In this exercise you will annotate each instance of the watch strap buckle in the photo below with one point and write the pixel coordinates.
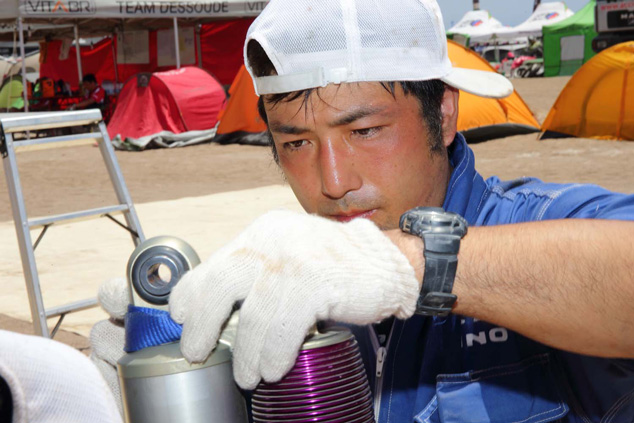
(435, 304)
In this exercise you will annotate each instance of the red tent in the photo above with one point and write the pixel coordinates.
(187, 99)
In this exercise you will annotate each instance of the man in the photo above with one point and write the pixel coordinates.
(94, 93)
(362, 104)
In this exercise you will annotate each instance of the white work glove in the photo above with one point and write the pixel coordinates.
(107, 337)
(292, 270)
(52, 382)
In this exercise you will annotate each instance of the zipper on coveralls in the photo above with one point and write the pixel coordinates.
(381, 356)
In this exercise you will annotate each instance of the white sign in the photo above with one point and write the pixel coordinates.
(133, 47)
(141, 8)
(166, 51)
(65, 49)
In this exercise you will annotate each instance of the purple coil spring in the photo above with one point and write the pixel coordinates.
(327, 384)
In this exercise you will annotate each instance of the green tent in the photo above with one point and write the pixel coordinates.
(568, 44)
(11, 93)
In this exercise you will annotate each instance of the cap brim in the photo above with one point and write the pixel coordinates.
(480, 83)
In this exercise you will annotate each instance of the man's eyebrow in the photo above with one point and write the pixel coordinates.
(286, 129)
(346, 119)
(357, 114)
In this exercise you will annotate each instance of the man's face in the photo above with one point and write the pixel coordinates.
(355, 150)
(90, 85)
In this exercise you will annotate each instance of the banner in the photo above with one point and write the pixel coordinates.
(133, 47)
(166, 51)
(141, 8)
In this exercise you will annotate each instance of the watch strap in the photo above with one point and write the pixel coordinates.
(441, 263)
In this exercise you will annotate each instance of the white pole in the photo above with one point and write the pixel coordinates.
(78, 54)
(177, 48)
(25, 87)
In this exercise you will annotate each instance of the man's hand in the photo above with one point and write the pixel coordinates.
(107, 337)
(291, 270)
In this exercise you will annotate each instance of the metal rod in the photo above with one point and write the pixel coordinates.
(71, 307)
(133, 232)
(116, 177)
(176, 46)
(25, 85)
(27, 254)
(78, 54)
(57, 325)
(39, 238)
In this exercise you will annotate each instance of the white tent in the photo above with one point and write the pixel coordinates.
(13, 65)
(545, 14)
(476, 25)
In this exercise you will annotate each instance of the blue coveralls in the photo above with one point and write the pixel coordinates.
(459, 370)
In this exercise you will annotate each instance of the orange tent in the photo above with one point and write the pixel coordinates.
(598, 101)
(240, 117)
(485, 118)
(479, 118)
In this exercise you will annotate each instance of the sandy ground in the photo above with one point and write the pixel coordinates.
(206, 193)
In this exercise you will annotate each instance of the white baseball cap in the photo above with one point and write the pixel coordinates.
(313, 43)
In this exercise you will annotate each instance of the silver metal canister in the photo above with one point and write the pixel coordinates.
(158, 385)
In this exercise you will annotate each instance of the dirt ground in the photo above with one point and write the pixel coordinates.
(74, 178)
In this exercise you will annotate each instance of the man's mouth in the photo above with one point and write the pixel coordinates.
(348, 216)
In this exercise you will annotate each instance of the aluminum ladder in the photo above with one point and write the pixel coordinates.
(22, 125)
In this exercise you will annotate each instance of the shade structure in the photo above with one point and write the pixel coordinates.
(545, 14)
(598, 101)
(475, 26)
(568, 44)
(177, 101)
(486, 118)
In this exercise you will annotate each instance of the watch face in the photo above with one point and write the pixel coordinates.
(422, 220)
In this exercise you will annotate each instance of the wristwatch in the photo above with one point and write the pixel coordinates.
(441, 232)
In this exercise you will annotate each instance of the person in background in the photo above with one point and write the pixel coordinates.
(95, 94)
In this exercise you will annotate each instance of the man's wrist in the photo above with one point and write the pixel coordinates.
(412, 247)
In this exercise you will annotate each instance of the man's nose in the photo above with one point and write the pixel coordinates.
(338, 171)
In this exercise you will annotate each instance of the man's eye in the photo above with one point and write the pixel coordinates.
(294, 145)
(367, 132)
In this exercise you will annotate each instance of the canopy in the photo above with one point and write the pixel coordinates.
(598, 101)
(475, 26)
(545, 14)
(568, 44)
(177, 101)
(47, 19)
(13, 66)
(486, 118)
(103, 16)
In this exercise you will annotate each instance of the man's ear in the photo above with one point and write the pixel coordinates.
(449, 111)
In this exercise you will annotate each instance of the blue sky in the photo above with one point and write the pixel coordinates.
(509, 12)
